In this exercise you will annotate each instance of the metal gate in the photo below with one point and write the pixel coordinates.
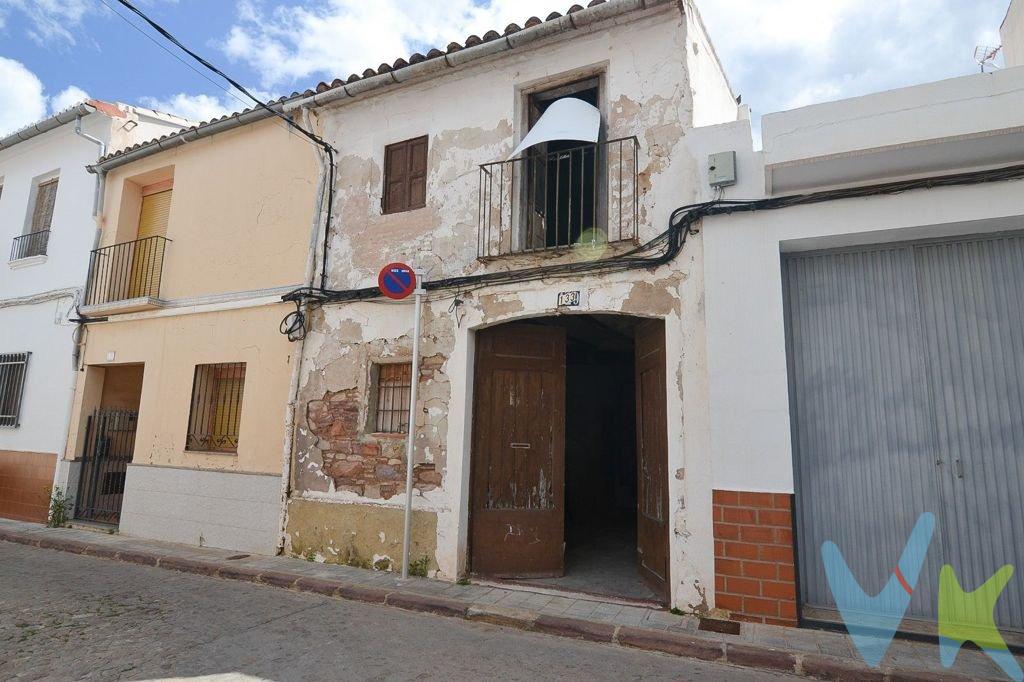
(906, 367)
(109, 443)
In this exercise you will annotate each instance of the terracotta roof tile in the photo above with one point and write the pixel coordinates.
(399, 63)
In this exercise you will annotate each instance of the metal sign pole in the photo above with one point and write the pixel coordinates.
(419, 293)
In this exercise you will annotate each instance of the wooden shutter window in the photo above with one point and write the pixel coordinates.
(42, 212)
(155, 212)
(405, 175)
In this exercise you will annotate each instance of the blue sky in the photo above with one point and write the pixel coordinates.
(778, 54)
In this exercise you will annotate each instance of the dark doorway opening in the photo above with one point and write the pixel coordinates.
(598, 470)
(109, 445)
(600, 459)
(562, 177)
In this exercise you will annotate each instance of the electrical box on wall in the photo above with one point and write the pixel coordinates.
(722, 169)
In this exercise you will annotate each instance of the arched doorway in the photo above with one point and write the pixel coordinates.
(569, 485)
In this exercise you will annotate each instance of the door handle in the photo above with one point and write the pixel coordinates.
(519, 446)
(959, 468)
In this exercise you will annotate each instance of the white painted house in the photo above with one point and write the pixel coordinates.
(560, 420)
(866, 343)
(47, 200)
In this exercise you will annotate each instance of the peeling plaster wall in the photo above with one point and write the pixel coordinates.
(473, 116)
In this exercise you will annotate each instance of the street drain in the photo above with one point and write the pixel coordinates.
(236, 557)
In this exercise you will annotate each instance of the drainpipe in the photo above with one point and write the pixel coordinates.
(293, 386)
(101, 177)
(78, 336)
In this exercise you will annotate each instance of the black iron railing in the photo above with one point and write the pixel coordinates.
(216, 407)
(549, 198)
(31, 244)
(109, 445)
(125, 271)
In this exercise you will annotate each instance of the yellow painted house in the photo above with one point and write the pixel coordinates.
(180, 416)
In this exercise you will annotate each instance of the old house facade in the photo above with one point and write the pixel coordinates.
(555, 436)
(47, 200)
(178, 425)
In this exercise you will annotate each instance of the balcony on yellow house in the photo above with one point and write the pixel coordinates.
(125, 277)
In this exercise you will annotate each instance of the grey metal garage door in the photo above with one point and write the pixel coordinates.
(906, 367)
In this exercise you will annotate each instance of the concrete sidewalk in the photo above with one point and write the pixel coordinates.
(812, 653)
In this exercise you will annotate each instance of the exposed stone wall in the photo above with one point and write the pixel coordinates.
(370, 465)
(337, 451)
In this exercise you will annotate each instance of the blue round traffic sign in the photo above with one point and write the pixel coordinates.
(396, 280)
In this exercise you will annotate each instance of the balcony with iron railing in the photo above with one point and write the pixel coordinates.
(551, 198)
(125, 277)
(30, 245)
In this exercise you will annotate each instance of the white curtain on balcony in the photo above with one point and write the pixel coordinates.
(566, 119)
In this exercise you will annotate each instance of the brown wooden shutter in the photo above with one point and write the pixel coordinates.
(405, 175)
(42, 213)
(154, 214)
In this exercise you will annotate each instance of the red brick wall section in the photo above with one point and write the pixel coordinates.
(754, 573)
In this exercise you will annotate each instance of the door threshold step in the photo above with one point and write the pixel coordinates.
(94, 526)
(519, 586)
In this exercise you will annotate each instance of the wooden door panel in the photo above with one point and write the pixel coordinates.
(518, 458)
(652, 456)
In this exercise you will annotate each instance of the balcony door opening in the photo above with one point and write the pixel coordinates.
(563, 179)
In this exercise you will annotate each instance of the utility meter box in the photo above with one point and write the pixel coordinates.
(722, 169)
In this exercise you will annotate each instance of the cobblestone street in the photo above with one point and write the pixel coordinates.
(65, 616)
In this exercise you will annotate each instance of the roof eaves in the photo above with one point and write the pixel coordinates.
(47, 124)
(198, 131)
(435, 61)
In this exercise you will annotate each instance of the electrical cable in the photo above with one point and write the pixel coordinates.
(670, 242)
(313, 137)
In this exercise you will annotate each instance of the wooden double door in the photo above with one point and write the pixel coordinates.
(518, 453)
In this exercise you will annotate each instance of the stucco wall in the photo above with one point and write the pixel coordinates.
(240, 214)
(749, 401)
(713, 99)
(170, 346)
(37, 294)
(474, 116)
(1012, 34)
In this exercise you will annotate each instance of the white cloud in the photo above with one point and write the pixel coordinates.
(195, 107)
(49, 20)
(202, 107)
(790, 53)
(22, 94)
(779, 54)
(289, 43)
(25, 100)
(67, 97)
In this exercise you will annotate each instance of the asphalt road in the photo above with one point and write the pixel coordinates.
(64, 616)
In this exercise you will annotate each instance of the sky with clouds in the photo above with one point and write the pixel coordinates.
(779, 54)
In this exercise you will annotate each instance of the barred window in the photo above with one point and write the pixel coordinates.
(394, 383)
(216, 407)
(13, 367)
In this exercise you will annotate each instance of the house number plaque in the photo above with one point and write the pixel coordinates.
(568, 299)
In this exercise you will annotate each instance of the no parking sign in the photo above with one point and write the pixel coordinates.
(396, 280)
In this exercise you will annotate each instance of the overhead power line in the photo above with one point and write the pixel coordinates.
(309, 135)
